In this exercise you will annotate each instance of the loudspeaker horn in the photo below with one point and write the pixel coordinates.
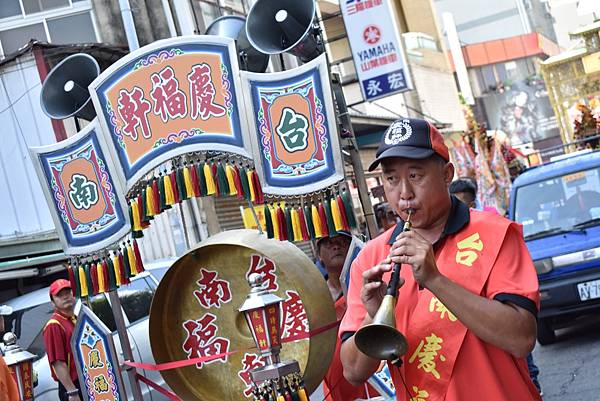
(234, 27)
(275, 27)
(65, 90)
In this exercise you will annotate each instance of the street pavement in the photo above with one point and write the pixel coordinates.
(570, 368)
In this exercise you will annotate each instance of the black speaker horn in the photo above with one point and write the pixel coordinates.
(65, 90)
(278, 26)
(234, 27)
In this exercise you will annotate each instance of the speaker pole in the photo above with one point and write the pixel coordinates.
(282, 61)
(359, 173)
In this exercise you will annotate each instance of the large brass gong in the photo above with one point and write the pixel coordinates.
(195, 312)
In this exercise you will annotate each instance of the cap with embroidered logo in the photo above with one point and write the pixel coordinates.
(411, 138)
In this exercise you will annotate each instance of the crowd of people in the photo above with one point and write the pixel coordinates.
(464, 272)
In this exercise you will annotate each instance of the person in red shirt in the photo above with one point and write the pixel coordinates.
(332, 251)
(57, 340)
(468, 294)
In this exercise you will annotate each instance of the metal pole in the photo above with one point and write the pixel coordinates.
(125, 345)
(359, 174)
(129, 25)
(184, 224)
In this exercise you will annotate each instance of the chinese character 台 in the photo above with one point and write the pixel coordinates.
(266, 268)
(293, 130)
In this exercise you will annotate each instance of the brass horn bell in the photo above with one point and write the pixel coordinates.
(380, 339)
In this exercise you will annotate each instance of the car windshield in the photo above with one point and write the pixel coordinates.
(564, 202)
(27, 324)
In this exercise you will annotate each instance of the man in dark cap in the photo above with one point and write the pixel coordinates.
(469, 292)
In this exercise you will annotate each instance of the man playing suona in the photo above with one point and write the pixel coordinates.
(468, 297)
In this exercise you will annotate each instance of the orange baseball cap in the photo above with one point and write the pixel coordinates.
(58, 285)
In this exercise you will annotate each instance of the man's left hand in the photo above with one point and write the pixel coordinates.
(411, 248)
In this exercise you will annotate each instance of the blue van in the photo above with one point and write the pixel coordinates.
(558, 204)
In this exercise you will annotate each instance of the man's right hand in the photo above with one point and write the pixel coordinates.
(74, 397)
(373, 288)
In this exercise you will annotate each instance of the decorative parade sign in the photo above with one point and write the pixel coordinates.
(295, 131)
(85, 197)
(169, 98)
(376, 47)
(96, 359)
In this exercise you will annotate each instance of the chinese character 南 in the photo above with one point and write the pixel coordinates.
(293, 130)
(374, 88)
(133, 109)
(95, 361)
(83, 193)
(426, 352)
(201, 340)
(436, 305)
(266, 268)
(169, 100)
(212, 291)
(202, 93)
(396, 81)
(249, 362)
(295, 321)
(100, 384)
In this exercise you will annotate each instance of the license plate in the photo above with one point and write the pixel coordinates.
(589, 290)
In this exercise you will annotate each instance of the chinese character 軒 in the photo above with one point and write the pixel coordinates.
(133, 109)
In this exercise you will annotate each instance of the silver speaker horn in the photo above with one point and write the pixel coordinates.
(65, 90)
(234, 27)
(278, 26)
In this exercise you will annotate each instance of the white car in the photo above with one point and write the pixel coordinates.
(31, 312)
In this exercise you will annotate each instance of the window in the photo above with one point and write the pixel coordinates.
(53, 21)
(28, 325)
(489, 79)
(210, 12)
(13, 39)
(100, 306)
(558, 203)
(213, 9)
(61, 29)
(10, 8)
(35, 6)
(136, 299)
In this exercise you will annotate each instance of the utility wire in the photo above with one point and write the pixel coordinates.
(10, 105)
